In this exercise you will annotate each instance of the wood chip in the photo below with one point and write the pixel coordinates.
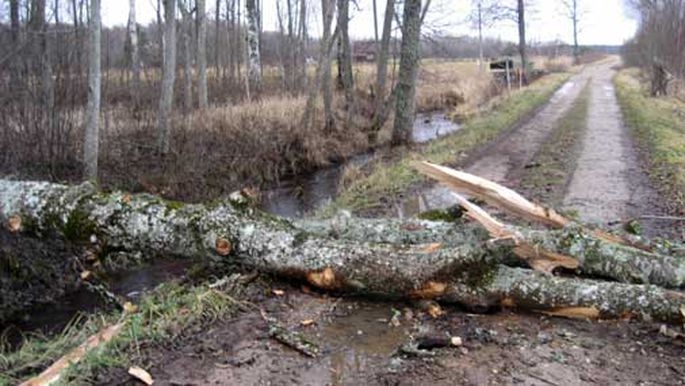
(14, 224)
(278, 292)
(574, 312)
(223, 247)
(431, 248)
(141, 375)
(307, 322)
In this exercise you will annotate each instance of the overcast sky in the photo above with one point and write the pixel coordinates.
(603, 22)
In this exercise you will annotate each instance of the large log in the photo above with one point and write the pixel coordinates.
(464, 270)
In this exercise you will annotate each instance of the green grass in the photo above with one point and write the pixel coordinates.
(553, 165)
(390, 178)
(163, 317)
(658, 125)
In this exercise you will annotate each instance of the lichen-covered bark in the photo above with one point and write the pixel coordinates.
(391, 260)
(599, 257)
(533, 290)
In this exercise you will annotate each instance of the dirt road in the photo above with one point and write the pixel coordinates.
(608, 183)
(501, 159)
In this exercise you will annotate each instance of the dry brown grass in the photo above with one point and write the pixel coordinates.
(231, 144)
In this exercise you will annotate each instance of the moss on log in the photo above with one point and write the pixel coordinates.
(455, 266)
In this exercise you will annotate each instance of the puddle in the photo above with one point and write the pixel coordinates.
(360, 342)
(428, 127)
(51, 319)
(304, 194)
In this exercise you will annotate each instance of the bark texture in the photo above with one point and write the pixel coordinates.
(168, 77)
(92, 137)
(253, 54)
(409, 65)
(202, 53)
(133, 41)
(461, 270)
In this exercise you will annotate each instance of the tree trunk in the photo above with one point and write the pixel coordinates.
(345, 63)
(325, 63)
(409, 66)
(576, 50)
(202, 54)
(168, 77)
(15, 27)
(382, 67)
(133, 41)
(480, 36)
(522, 39)
(92, 136)
(253, 54)
(322, 78)
(456, 267)
(302, 46)
(187, 31)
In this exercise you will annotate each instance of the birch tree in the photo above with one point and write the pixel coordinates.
(132, 29)
(168, 77)
(91, 142)
(202, 53)
(409, 64)
(253, 54)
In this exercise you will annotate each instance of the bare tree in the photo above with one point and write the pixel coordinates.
(186, 36)
(134, 58)
(382, 66)
(409, 65)
(521, 20)
(253, 50)
(345, 58)
(91, 142)
(15, 27)
(323, 71)
(202, 53)
(168, 77)
(484, 14)
(572, 11)
(659, 45)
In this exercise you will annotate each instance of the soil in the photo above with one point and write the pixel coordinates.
(361, 345)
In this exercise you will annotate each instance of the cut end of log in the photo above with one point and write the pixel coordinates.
(325, 279)
(223, 247)
(14, 224)
(430, 290)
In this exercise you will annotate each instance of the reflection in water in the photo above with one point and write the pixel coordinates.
(51, 319)
(301, 195)
(362, 340)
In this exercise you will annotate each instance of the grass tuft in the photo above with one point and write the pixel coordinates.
(164, 317)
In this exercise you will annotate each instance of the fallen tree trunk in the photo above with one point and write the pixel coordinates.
(464, 270)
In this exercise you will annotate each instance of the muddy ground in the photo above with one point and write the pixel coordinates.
(361, 344)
